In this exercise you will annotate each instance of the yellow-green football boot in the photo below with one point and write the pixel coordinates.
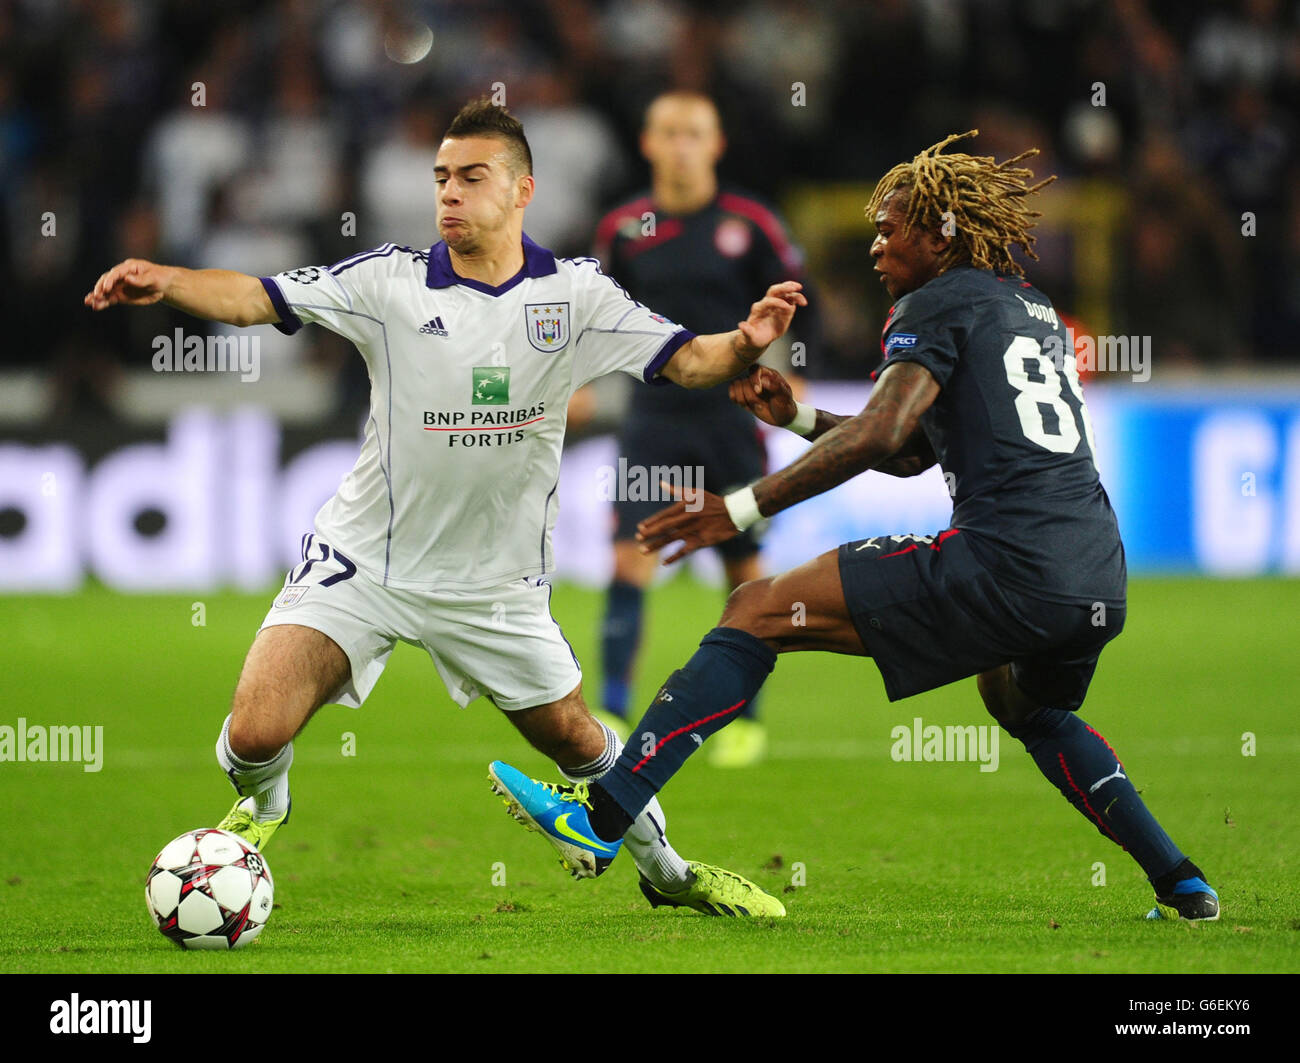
(716, 891)
(242, 821)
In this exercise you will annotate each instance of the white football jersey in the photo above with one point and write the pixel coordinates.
(455, 486)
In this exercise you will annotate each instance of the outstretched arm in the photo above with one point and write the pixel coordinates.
(904, 392)
(769, 397)
(709, 360)
(912, 458)
(213, 294)
(892, 414)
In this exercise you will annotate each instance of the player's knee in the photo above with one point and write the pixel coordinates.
(248, 744)
(1002, 699)
(746, 604)
(991, 688)
(255, 740)
(752, 607)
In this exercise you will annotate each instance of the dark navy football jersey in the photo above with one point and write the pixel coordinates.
(1011, 431)
(702, 270)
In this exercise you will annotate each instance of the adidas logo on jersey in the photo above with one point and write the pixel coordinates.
(433, 327)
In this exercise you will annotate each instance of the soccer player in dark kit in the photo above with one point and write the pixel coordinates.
(697, 262)
(1023, 589)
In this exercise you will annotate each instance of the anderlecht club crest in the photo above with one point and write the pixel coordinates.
(547, 325)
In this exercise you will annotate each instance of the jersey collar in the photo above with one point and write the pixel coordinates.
(538, 262)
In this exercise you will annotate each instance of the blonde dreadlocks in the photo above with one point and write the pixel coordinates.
(987, 201)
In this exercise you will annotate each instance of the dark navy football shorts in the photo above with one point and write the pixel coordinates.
(930, 613)
(730, 458)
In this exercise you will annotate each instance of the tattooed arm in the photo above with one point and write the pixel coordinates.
(883, 436)
(911, 459)
(845, 446)
(768, 396)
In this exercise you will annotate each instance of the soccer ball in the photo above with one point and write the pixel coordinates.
(209, 889)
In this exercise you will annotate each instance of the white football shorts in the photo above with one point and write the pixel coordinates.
(501, 643)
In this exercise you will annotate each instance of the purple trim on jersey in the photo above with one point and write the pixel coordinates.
(614, 281)
(671, 346)
(289, 322)
(364, 256)
(546, 512)
(547, 584)
(538, 262)
(388, 475)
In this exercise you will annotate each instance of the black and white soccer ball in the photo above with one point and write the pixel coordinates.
(209, 889)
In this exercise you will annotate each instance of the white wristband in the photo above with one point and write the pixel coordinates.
(742, 508)
(805, 419)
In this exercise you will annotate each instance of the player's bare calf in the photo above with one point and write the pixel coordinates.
(563, 730)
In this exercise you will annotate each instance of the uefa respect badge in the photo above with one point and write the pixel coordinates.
(491, 385)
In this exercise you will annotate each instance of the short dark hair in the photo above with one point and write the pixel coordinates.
(483, 118)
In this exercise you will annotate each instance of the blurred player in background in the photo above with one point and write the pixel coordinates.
(440, 536)
(696, 252)
(1023, 589)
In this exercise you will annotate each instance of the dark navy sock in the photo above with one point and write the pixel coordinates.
(749, 711)
(1185, 872)
(696, 701)
(1086, 770)
(619, 637)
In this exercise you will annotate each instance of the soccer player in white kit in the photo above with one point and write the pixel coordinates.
(440, 534)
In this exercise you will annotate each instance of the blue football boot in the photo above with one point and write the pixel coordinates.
(560, 814)
(1192, 898)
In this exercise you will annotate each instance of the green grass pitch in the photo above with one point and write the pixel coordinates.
(398, 858)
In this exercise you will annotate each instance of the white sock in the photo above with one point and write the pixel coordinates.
(266, 782)
(646, 839)
(653, 854)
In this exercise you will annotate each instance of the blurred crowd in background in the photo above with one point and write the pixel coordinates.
(314, 109)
